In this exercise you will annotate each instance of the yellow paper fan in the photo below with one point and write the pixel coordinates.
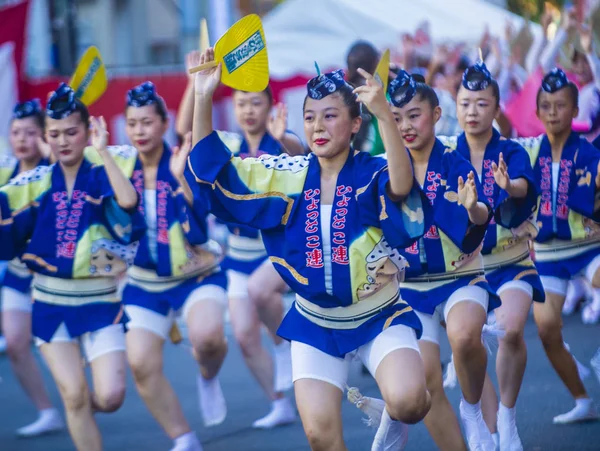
(382, 71)
(89, 80)
(242, 50)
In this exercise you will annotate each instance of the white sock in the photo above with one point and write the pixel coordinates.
(583, 403)
(506, 412)
(279, 403)
(284, 346)
(596, 298)
(187, 439)
(471, 409)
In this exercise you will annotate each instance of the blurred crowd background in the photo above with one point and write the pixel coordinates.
(42, 40)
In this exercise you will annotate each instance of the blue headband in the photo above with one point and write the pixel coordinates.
(62, 103)
(142, 95)
(401, 89)
(27, 109)
(325, 84)
(554, 80)
(482, 81)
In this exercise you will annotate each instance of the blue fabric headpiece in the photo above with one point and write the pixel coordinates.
(401, 89)
(61, 103)
(142, 95)
(27, 109)
(554, 80)
(325, 84)
(476, 77)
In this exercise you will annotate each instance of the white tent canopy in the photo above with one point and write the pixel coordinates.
(301, 31)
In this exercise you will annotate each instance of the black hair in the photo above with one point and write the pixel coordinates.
(425, 92)
(349, 99)
(268, 92)
(84, 114)
(39, 117)
(572, 87)
(159, 106)
(364, 55)
(480, 77)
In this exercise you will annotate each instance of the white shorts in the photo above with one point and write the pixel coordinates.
(560, 286)
(143, 318)
(431, 323)
(516, 285)
(15, 301)
(95, 344)
(309, 362)
(237, 284)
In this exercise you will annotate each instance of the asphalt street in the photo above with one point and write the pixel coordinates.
(132, 427)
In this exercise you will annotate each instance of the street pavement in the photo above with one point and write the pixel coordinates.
(132, 428)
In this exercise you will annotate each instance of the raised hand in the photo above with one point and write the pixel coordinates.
(99, 133)
(192, 59)
(467, 192)
(43, 148)
(277, 124)
(501, 173)
(586, 37)
(179, 157)
(570, 22)
(373, 96)
(207, 81)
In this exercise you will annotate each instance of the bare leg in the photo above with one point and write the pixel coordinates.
(319, 404)
(549, 322)
(108, 374)
(64, 361)
(17, 331)
(207, 334)
(441, 420)
(489, 404)
(266, 289)
(247, 328)
(464, 325)
(145, 355)
(512, 352)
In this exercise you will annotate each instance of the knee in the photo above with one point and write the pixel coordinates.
(17, 346)
(408, 406)
(464, 340)
(110, 400)
(321, 435)
(513, 337)
(208, 342)
(143, 368)
(76, 398)
(549, 329)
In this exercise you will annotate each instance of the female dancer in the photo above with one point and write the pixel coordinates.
(567, 173)
(445, 278)
(175, 271)
(254, 288)
(334, 257)
(26, 132)
(504, 168)
(71, 222)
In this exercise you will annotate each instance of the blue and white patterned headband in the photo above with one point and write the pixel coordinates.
(62, 103)
(554, 80)
(325, 84)
(27, 109)
(480, 73)
(401, 89)
(142, 95)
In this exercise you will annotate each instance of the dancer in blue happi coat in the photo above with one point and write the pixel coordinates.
(567, 175)
(506, 175)
(330, 223)
(29, 151)
(71, 223)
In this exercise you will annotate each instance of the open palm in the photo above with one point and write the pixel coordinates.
(207, 81)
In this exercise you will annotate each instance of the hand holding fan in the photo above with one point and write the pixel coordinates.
(242, 50)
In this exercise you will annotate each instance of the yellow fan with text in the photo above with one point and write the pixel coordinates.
(89, 80)
(242, 51)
